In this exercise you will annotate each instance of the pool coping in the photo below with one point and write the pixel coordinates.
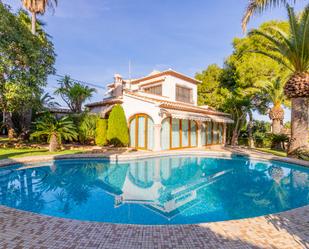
(116, 157)
(280, 230)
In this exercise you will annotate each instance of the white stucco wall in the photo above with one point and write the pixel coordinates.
(171, 83)
(132, 106)
(169, 87)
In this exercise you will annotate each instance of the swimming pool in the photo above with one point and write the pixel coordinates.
(156, 191)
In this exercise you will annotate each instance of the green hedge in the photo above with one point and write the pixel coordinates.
(117, 132)
(101, 132)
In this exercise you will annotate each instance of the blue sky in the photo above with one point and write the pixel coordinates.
(95, 41)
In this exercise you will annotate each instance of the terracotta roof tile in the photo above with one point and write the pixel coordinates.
(105, 102)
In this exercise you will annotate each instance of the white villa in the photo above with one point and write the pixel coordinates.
(162, 112)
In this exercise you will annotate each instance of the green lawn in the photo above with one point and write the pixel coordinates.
(15, 153)
(274, 152)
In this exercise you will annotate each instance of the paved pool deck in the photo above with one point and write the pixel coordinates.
(19, 229)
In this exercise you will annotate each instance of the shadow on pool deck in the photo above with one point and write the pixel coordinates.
(26, 230)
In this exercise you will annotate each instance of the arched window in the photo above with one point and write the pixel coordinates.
(141, 132)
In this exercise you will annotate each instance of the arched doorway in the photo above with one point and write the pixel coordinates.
(141, 132)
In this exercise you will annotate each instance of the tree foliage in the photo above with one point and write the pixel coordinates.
(209, 91)
(87, 128)
(25, 62)
(55, 130)
(291, 49)
(73, 93)
(238, 87)
(117, 131)
(259, 6)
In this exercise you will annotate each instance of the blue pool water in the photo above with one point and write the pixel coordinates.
(166, 190)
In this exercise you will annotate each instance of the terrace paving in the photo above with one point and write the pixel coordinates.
(19, 229)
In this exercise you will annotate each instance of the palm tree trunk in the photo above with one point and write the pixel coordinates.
(33, 23)
(53, 143)
(250, 134)
(299, 129)
(276, 126)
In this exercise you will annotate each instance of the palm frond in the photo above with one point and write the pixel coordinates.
(292, 47)
(259, 6)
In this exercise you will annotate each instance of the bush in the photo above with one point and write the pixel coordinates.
(262, 140)
(303, 154)
(86, 124)
(278, 141)
(101, 132)
(87, 129)
(117, 132)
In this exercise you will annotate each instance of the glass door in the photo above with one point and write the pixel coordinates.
(141, 132)
(185, 133)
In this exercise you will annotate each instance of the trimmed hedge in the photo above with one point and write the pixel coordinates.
(101, 132)
(117, 132)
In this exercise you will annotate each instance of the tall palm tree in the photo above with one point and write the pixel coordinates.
(259, 6)
(38, 7)
(292, 51)
(275, 93)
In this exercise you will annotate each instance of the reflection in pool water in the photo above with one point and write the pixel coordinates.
(166, 190)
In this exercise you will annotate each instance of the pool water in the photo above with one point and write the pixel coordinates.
(165, 190)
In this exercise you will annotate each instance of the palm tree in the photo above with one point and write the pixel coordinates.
(74, 94)
(274, 91)
(25, 19)
(259, 6)
(38, 7)
(55, 130)
(292, 51)
(47, 101)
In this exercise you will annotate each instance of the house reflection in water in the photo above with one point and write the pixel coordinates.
(166, 185)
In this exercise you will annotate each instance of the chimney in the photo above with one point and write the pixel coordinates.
(117, 91)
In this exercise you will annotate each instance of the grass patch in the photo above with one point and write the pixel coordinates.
(15, 153)
(274, 152)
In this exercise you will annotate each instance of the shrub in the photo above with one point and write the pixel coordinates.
(87, 128)
(302, 153)
(86, 124)
(278, 141)
(117, 132)
(101, 132)
(262, 139)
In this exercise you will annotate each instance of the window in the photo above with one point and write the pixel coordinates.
(184, 94)
(193, 134)
(157, 90)
(141, 132)
(209, 133)
(178, 133)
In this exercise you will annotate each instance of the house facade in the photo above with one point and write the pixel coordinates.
(162, 112)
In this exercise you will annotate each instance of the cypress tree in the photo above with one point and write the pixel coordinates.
(117, 131)
(101, 132)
